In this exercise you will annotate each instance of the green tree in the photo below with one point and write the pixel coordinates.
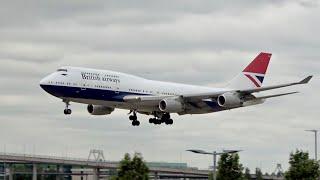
(301, 167)
(229, 167)
(132, 169)
(210, 176)
(247, 175)
(259, 175)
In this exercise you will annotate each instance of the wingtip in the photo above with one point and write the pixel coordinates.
(306, 80)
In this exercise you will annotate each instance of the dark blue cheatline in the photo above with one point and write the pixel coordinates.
(86, 93)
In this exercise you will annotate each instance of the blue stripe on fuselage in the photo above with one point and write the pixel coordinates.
(86, 93)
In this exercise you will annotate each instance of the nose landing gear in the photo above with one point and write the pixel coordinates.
(67, 111)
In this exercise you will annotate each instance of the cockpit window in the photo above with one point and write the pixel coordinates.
(62, 70)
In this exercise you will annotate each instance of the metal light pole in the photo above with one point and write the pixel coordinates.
(315, 142)
(214, 165)
(214, 154)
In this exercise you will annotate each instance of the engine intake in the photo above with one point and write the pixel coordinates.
(229, 100)
(171, 105)
(99, 110)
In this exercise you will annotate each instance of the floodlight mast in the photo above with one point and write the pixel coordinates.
(214, 154)
(315, 131)
(214, 165)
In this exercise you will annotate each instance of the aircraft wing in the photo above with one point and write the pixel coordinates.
(200, 96)
(245, 91)
(266, 88)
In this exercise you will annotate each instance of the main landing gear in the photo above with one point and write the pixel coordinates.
(134, 119)
(67, 111)
(159, 118)
(165, 118)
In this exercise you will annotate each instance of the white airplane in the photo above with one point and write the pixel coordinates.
(104, 91)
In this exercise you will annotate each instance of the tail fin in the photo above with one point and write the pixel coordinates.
(253, 75)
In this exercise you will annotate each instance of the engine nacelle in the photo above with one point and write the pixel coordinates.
(229, 100)
(99, 110)
(171, 105)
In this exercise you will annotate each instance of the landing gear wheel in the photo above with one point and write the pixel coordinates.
(133, 117)
(166, 119)
(151, 120)
(166, 116)
(157, 121)
(67, 111)
(135, 123)
(169, 122)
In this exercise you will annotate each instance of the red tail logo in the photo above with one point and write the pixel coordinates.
(260, 64)
(257, 69)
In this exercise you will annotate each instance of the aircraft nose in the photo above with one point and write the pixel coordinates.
(44, 81)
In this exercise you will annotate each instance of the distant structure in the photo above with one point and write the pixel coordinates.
(278, 171)
(97, 155)
(41, 167)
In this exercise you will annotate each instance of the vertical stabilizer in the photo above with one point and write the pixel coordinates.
(253, 75)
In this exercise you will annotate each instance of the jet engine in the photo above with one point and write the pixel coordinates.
(171, 105)
(99, 110)
(229, 100)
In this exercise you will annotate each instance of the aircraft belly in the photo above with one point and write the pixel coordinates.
(115, 104)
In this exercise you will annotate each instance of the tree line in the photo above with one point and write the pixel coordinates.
(229, 168)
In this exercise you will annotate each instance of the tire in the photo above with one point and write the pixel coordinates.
(135, 123)
(133, 118)
(169, 122)
(151, 120)
(67, 111)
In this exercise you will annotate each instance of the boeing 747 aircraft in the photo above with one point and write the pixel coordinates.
(104, 91)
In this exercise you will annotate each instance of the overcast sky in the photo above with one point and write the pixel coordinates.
(203, 42)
